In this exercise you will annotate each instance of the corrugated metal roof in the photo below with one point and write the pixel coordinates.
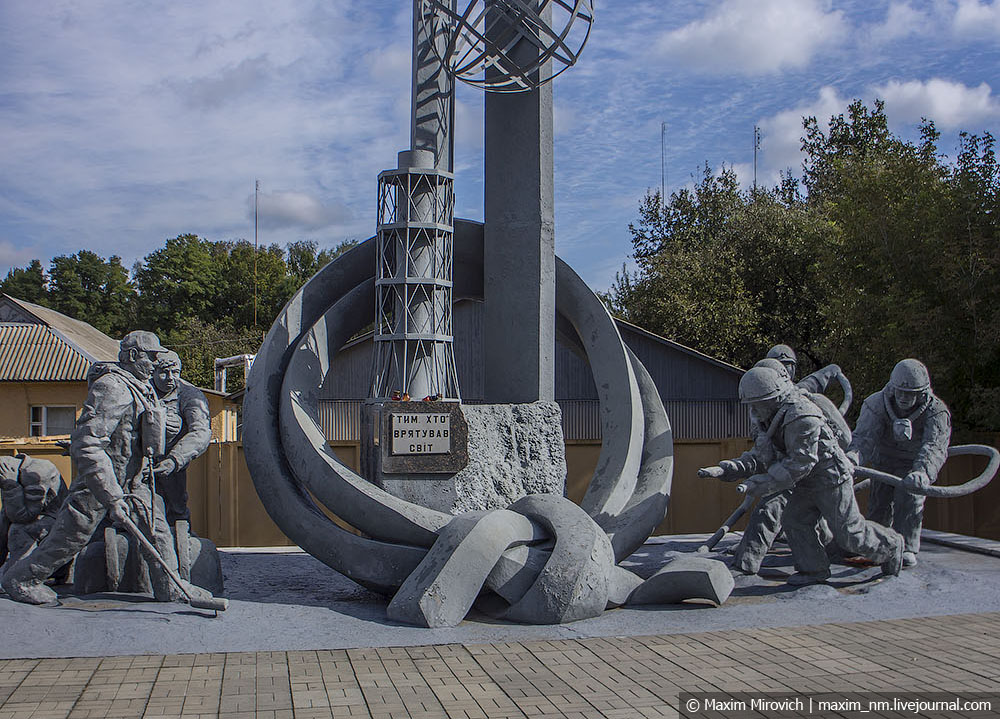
(35, 353)
(86, 339)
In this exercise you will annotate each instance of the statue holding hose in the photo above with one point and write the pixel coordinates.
(799, 451)
(904, 429)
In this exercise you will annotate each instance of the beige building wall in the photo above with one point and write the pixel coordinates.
(226, 509)
(16, 399)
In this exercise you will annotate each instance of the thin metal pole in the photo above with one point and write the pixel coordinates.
(756, 146)
(256, 193)
(663, 166)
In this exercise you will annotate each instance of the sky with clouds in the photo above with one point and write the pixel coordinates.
(125, 123)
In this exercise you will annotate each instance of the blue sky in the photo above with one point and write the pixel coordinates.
(125, 123)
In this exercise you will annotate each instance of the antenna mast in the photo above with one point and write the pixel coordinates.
(663, 165)
(256, 193)
(756, 146)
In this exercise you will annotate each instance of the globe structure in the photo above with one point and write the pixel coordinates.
(502, 45)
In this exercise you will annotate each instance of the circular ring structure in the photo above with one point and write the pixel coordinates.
(294, 470)
(508, 45)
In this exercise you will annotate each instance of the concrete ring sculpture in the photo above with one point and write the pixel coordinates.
(294, 470)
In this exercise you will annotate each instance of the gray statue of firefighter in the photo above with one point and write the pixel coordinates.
(799, 451)
(904, 430)
(120, 422)
(764, 523)
(113, 560)
(32, 491)
(189, 431)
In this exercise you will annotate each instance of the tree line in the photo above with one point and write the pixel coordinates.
(879, 249)
(196, 294)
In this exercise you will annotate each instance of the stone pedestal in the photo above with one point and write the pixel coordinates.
(512, 450)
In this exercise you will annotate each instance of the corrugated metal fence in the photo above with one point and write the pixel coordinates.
(690, 419)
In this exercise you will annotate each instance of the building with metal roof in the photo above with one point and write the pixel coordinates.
(699, 392)
(44, 360)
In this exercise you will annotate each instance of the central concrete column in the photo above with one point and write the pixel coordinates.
(432, 115)
(519, 253)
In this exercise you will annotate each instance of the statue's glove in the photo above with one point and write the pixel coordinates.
(167, 465)
(917, 480)
(759, 485)
(119, 512)
(854, 457)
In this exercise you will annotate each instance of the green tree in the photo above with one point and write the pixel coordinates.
(727, 271)
(246, 281)
(198, 343)
(180, 281)
(969, 320)
(87, 287)
(893, 252)
(26, 283)
(305, 259)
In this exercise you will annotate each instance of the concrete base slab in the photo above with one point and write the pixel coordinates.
(287, 600)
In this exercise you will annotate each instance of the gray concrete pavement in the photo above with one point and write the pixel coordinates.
(287, 601)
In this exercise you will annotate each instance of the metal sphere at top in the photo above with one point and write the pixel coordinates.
(500, 45)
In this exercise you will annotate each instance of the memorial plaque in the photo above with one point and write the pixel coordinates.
(420, 433)
(419, 439)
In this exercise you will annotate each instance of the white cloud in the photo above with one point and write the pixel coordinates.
(902, 20)
(977, 19)
(14, 255)
(157, 122)
(751, 38)
(782, 133)
(298, 209)
(218, 89)
(951, 105)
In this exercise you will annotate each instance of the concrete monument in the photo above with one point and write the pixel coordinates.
(526, 555)
(764, 523)
(120, 429)
(113, 560)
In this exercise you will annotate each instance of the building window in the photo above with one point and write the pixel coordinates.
(50, 420)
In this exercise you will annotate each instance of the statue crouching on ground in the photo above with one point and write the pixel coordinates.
(764, 524)
(798, 450)
(32, 491)
(120, 425)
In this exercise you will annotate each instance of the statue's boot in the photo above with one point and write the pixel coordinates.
(891, 566)
(27, 591)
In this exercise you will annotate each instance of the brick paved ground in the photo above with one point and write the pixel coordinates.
(620, 677)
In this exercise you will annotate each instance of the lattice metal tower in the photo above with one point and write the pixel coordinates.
(414, 353)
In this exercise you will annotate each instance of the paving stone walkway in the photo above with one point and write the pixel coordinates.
(617, 677)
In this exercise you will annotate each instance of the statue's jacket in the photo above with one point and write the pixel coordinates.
(798, 448)
(107, 444)
(925, 451)
(188, 423)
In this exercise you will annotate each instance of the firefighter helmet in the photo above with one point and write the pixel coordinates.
(910, 375)
(761, 383)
